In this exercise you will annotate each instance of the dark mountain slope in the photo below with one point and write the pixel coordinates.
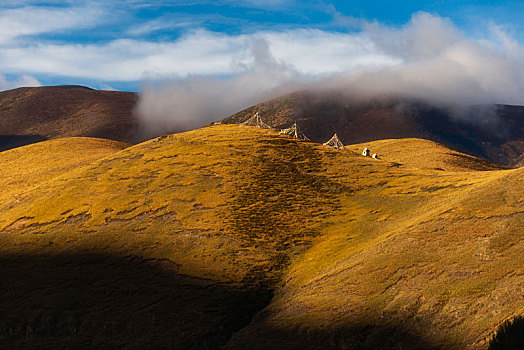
(29, 115)
(495, 133)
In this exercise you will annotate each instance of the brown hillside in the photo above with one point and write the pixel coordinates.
(34, 114)
(496, 135)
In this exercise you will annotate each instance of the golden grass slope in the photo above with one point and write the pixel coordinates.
(420, 153)
(28, 166)
(436, 276)
(192, 207)
(358, 252)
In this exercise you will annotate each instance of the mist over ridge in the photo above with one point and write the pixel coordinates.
(428, 60)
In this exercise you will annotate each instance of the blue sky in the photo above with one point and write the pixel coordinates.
(120, 44)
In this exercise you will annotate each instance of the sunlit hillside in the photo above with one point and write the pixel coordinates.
(423, 154)
(239, 237)
(28, 166)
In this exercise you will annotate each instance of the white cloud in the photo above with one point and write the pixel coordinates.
(200, 52)
(319, 52)
(157, 25)
(265, 4)
(106, 87)
(427, 59)
(439, 64)
(32, 20)
(124, 60)
(424, 36)
(197, 100)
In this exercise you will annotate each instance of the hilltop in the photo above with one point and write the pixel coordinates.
(423, 154)
(239, 237)
(494, 133)
(29, 115)
(33, 114)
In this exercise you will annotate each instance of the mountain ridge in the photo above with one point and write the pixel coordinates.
(497, 135)
(33, 114)
(29, 115)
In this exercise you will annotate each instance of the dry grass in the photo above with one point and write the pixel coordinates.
(26, 167)
(355, 249)
(424, 154)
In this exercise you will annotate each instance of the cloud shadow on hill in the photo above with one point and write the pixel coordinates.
(104, 301)
(79, 300)
(82, 300)
(364, 337)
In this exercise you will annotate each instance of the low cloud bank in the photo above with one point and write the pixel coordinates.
(428, 59)
(197, 100)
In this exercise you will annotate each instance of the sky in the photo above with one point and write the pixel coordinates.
(197, 61)
(125, 45)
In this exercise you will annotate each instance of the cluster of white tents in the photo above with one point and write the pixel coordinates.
(295, 132)
(367, 153)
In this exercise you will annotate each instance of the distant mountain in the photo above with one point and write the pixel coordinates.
(495, 133)
(28, 115)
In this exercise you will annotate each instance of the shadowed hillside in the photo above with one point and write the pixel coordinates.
(90, 300)
(496, 133)
(29, 115)
(239, 237)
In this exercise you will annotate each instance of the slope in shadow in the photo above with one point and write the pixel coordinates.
(365, 337)
(12, 141)
(104, 301)
(81, 300)
(509, 336)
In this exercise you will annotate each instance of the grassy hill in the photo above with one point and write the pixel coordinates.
(423, 154)
(29, 166)
(434, 275)
(494, 133)
(239, 237)
(29, 115)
